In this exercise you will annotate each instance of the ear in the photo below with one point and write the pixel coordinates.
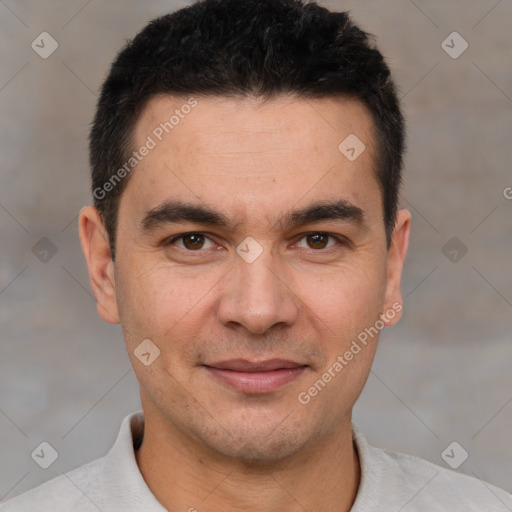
(95, 246)
(396, 256)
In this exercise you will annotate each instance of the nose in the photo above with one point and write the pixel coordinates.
(258, 295)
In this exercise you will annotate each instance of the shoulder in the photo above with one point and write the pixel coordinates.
(75, 490)
(435, 486)
(399, 480)
(112, 482)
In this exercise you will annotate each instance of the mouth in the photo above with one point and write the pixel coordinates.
(256, 377)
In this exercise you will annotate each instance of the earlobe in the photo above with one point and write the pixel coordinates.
(396, 257)
(95, 246)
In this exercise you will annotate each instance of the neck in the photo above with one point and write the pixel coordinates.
(185, 475)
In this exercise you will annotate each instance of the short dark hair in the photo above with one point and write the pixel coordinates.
(234, 48)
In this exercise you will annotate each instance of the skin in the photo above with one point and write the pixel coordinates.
(206, 445)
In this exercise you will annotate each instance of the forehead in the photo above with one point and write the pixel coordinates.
(218, 125)
(244, 152)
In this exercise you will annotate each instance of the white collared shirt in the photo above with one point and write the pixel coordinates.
(390, 482)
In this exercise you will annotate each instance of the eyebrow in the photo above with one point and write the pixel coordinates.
(177, 211)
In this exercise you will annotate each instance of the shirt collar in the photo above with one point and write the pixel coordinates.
(123, 483)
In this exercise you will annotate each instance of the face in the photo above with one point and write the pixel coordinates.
(252, 252)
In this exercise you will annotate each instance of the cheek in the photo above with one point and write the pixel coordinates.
(158, 302)
(346, 313)
(346, 300)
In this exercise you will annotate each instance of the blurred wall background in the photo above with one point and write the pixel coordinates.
(441, 375)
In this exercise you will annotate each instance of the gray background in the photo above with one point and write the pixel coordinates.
(442, 375)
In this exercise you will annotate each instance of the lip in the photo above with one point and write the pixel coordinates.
(256, 377)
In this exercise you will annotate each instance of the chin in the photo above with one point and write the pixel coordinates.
(252, 455)
(258, 447)
(258, 454)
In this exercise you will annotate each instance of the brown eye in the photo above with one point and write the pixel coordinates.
(317, 240)
(321, 242)
(193, 241)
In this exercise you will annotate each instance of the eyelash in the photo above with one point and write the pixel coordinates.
(341, 240)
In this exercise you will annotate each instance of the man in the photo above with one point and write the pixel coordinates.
(246, 161)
